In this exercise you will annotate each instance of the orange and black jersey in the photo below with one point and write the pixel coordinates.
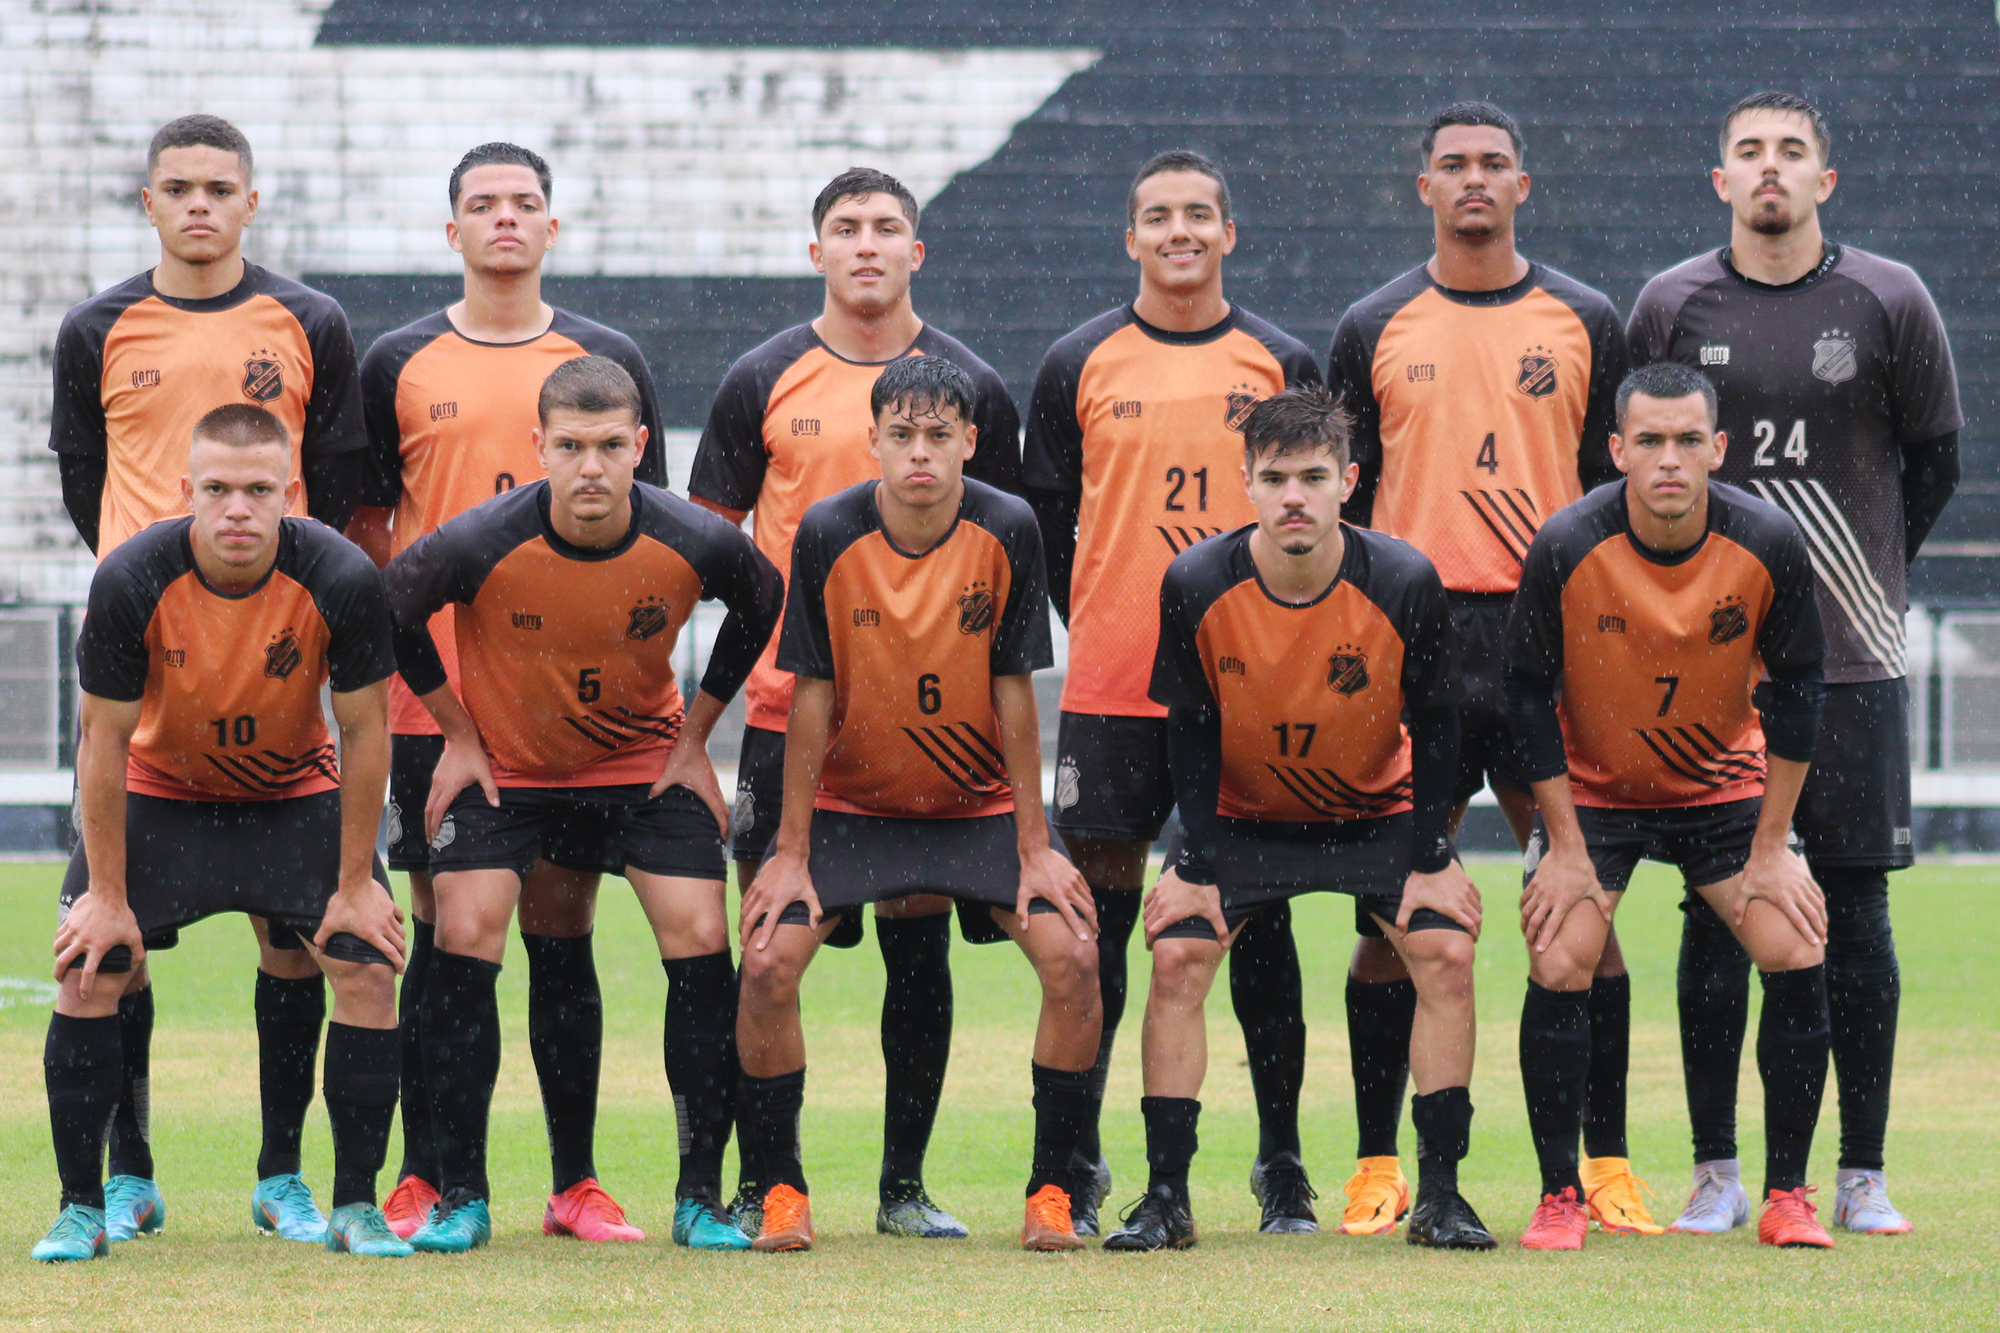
(450, 425)
(789, 427)
(566, 653)
(1294, 713)
(1134, 453)
(1477, 414)
(1657, 654)
(912, 644)
(228, 683)
(134, 370)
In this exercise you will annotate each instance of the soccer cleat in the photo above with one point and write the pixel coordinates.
(919, 1217)
(283, 1206)
(788, 1222)
(1092, 1182)
(1717, 1203)
(77, 1234)
(360, 1228)
(701, 1224)
(1047, 1227)
(1281, 1188)
(747, 1209)
(1558, 1224)
(457, 1223)
(1617, 1197)
(1790, 1221)
(1156, 1221)
(1443, 1220)
(1861, 1203)
(409, 1204)
(1377, 1198)
(133, 1208)
(586, 1212)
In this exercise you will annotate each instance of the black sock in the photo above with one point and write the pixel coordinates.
(1556, 1030)
(1864, 991)
(1379, 1017)
(916, 1043)
(290, 1014)
(1443, 1121)
(566, 1035)
(1610, 1061)
(131, 1148)
(1171, 1141)
(1792, 1046)
(1714, 985)
(1117, 913)
(1062, 1101)
(701, 1015)
(419, 1145)
(82, 1066)
(461, 1019)
(767, 1127)
(1265, 991)
(360, 1086)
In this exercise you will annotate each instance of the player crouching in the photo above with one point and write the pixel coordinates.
(1289, 652)
(918, 608)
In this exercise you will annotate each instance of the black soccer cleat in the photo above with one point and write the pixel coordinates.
(1158, 1221)
(1280, 1186)
(1090, 1182)
(1443, 1220)
(746, 1210)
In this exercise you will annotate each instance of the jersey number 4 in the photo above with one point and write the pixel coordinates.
(1489, 455)
(1767, 435)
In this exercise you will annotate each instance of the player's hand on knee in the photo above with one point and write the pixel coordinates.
(1564, 878)
(1449, 891)
(1048, 874)
(689, 766)
(460, 766)
(1173, 900)
(95, 925)
(364, 911)
(1781, 878)
(784, 880)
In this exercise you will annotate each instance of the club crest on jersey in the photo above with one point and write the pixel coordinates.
(648, 618)
(1069, 784)
(1729, 621)
(282, 655)
(1834, 357)
(975, 610)
(263, 377)
(1237, 405)
(1347, 671)
(1538, 373)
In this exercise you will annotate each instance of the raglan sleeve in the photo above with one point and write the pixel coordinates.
(997, 458)
(111, 656)
(361, 632)
(652, 467)
(749, 585)
(1431, 694)
(1194, 724)
(805, 644)
(1350, 375)
(1021, 642)
(730, 460)
(1534, 662)
(1924, 382)
(421, 582)
(1052, 466)
(1792, 644)
(1610, 363)
(382, 479)
(1649, 331)
(334, 415)
(77, 430)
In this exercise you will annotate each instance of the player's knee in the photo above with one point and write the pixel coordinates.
(1068, 972)
(1561, 968)
(369, 987)
(1376, 961)
(770, 980)
(1440, 962)
(1184, 969)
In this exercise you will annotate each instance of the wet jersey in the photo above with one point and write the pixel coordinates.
(450, 425)
(1143, 426)
(1477, 414)
(1822, 384)
(228, 683)
(566, 653)
(789, 427)
(1657, 653)
(134, 370)
(912, 644)
(1311, 696)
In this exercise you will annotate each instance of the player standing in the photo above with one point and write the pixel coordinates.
(135, 366)
(1839, 396)
(1132, 442)
(1481, 384)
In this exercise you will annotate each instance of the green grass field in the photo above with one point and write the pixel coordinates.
(212, 1271)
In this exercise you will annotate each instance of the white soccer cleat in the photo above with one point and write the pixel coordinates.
(1861, 1203)
(1717, 1204)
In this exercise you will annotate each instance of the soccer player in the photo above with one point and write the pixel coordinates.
(135, 366)
(1132, 440)
(1292, 777)
(789, 427)
(1655, 605)
(917, 613)
(569, 597)
(1481, 383)
(450, 407)
(207, 783)
(1840, 400)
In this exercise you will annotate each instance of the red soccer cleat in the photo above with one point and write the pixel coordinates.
(1791, 1222)
(586, 1212)
(409, 1205)
(1558, 1224)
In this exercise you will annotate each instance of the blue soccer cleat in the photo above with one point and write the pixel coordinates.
(699, 1224)
(77, 1234)
(454, 1228)
(360, 1228)
(133, 1208)
(283, 1206)
(918, 1217)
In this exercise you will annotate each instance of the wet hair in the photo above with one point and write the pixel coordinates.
(1472, 113)
(1665, 379)
(858, 183)
(1789, 103)
(589, 384)
(923, 384)
(500, 154)
(199, 131)
(1299, 420)
(1178, 159)
(241, 426)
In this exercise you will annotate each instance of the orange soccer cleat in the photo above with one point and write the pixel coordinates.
(1791, 1221)
(409, 1205)
(788, 1221)
(1047, 1225)
(1617, 1198)
(1558, 1224)
(1377, 1197)
(586, 1212)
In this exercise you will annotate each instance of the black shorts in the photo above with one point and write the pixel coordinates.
(760, 795)
(1111, 778)
(671, 834)
(1485, 745)
(1706, 843)
(1855, 809)
(580, 842)
(186, 860)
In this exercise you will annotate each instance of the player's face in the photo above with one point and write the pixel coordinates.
(238, 496)
(867, 249)
(1474, 181)
(1666, 447)
(1298, 496)
(199, 199)
(590, 457)
(502, 224)
(1178, 235)
(922, 449)
(1771, 175)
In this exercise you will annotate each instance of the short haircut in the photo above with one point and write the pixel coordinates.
(1665, 380)
(589, 384)
(1299, 420)
(923, 384)
(1472, 113)
(241, 426)
(199, 131)
(500, 154)
(1178, 159)
(858, 183)
(1789, 103)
